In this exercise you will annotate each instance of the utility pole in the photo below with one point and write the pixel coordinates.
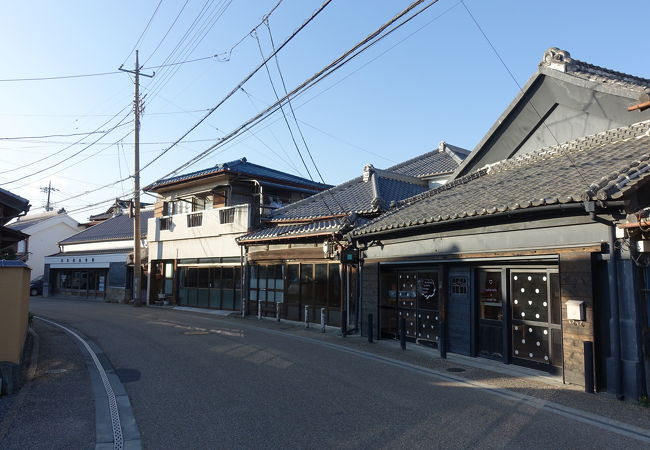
(48, 189)
(137, 270)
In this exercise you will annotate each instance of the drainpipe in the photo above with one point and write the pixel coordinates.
(614, 325)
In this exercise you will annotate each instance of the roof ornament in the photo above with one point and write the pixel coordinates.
(368, 170)
(557, 59)
(441, 146)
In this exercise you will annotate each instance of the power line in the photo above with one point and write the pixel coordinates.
(68, 158)
(241, 83)
(277, 97)
(58, 77)
(45, 136)
(120, 124)
(326, 71)
(357, 49)
(165, 36)
(293, 113)
(573, 164)
(143, 32)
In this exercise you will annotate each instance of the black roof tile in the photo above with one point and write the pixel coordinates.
(113, 229)
(598, 167)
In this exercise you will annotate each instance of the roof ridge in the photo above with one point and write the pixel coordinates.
(561, 61)
(399, 176)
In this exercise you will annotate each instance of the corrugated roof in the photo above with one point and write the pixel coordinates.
(598, 167)
(241, 167)
(113, 229)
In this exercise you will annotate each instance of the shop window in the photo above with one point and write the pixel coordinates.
(490, 295)
(530, 296)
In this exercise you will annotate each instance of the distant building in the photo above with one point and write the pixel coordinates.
(96, 262)
(45, 230)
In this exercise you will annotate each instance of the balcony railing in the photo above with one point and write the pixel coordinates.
(207, 223)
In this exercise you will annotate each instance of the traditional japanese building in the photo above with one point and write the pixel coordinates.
(536, 246)
(298, 260)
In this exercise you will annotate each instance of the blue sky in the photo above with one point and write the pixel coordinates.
(434, 79)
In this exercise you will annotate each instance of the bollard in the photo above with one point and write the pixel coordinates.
(277, 311)
(589, 366)
(344, 324)
(322, 320)
(306, 316)
(402, 333)
(259, 310)
(370, 328)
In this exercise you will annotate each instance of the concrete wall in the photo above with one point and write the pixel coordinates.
(14, 309)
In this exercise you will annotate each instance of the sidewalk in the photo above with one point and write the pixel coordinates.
(55, 407)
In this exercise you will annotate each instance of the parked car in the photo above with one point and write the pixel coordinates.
(36, 286)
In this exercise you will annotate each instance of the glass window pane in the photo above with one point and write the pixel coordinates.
(293, 289)
(215, 277)
(320, 284)
(169, 285)
(169, 270)
(253, 275)
(306, 284)
(204, 278)
(490, 295)
(227, 281)
(334, 282)
(237, 277)
(262, 277)
(529, 296)
(279, 278)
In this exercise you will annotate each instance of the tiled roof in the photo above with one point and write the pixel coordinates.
(316, 228)
(598, 167)
(241, 167)
(114, 229)
(28, 221)
(561, 60)
(445, 159)
(355, 196)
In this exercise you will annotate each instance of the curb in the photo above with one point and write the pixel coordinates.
(115, 425)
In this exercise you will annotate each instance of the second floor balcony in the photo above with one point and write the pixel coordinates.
(200, 224)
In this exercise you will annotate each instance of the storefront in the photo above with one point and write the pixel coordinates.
(79, 282)
(293, 286)
(511, 313)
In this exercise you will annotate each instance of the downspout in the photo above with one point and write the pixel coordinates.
(614, 325)
(261, 195)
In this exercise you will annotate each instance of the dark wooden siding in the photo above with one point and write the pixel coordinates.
(459, 322)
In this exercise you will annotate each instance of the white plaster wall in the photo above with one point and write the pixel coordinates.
(210, 247)
(43, 242)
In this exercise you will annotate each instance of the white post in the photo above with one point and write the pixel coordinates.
(322, 320)
(306, 316)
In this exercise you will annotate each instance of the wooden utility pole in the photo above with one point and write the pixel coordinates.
(137, 269)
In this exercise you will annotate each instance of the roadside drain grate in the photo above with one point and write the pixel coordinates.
(455, 369)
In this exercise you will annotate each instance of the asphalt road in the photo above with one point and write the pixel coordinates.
(199, 381)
